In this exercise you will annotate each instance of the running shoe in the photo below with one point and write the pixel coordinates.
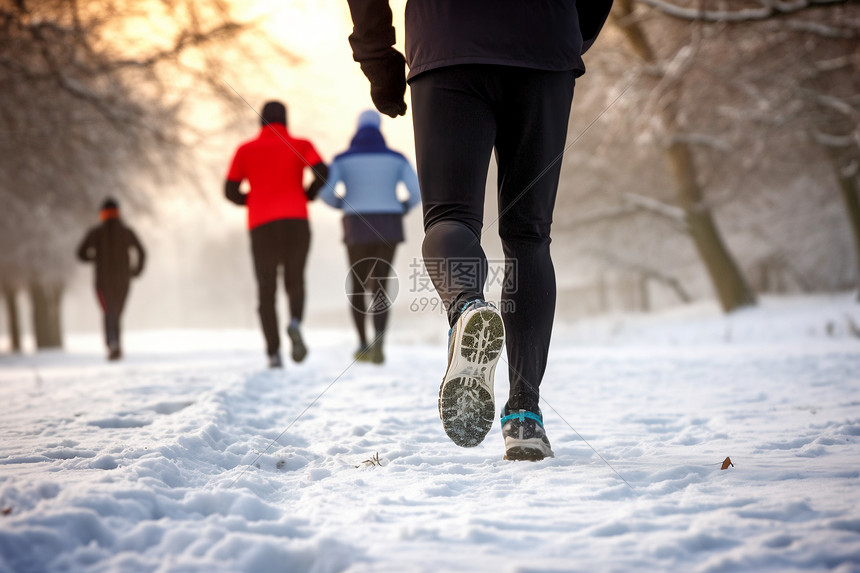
(275, 360)
(466, 401)
(299, 349)
(525, 438)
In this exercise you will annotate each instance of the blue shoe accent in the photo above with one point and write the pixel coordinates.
(525, 437)
(470, 303)
(466, 307)
(521, 415)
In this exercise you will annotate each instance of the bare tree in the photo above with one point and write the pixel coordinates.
(729, 283)
(800, 74)
(13, 315)
(92, 96)
(741, 109)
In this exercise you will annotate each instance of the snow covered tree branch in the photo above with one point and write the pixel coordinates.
(765, 9)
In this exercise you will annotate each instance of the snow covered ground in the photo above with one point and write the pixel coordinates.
(189, 456)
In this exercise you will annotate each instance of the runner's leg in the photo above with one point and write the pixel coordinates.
(266, 271)
(454, 133)
(531, 136)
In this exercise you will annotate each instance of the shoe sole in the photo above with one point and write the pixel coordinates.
(466, 402)
(526, 450)
(299, 350)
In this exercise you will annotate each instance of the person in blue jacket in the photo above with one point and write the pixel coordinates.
(372, 223)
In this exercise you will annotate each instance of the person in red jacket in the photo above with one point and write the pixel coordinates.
(109, 245)
(274, 164)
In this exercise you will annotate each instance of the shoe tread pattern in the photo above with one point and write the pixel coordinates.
(483, 337)
(466, 402)
(526, 453)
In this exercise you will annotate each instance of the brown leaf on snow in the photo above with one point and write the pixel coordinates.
(726, 463)
(6, 510)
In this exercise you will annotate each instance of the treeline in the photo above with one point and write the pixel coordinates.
(725, 162)
(92, 98)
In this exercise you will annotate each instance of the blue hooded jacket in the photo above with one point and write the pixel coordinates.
(370, 172)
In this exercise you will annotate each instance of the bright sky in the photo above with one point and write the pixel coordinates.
(326, 91)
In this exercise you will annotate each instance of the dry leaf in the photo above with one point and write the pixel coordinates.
(6, 510)
(726, 463)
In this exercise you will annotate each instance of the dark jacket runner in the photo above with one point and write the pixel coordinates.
(546, 35)
(108, 245)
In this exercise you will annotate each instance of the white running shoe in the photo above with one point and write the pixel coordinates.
(466, 401)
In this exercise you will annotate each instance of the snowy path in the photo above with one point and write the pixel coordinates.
(204, 462)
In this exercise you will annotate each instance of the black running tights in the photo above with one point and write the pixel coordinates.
(112, 300)
(461, 115)
(282, 243)
(369, 269)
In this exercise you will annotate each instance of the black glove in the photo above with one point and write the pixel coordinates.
(320, 175)
(231, 191)
(387, 82)
(312, 190)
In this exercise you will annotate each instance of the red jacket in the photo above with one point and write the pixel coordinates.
(274, 164)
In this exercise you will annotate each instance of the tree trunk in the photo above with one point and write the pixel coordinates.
(851, 196)
(10, 294)
(644, 298)
(731, 287)
(603, 294)
(845, 167)
(46, 300)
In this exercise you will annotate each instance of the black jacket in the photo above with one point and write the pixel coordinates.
(541, 34)
(108, 244)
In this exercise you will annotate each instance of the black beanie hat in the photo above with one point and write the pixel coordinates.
(109, 203)
(274, 112)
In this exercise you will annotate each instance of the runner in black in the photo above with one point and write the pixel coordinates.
(109, 245)
(486, 76)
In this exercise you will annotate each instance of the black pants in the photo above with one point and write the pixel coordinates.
(283, 243)
(461, 114)
(112, 300)
(369, 266)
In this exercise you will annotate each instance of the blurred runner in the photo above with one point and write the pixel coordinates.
(109, 245)
(274, 164)
(372, 223)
